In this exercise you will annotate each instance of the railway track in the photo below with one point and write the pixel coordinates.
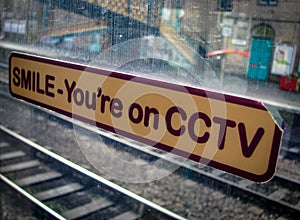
(282, 192)
(292, 153)
(65, 190)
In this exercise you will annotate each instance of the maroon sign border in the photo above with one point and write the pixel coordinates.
(195, 91)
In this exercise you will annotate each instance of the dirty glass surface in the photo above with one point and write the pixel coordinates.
(242, 48)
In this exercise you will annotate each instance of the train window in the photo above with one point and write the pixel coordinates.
(139, 109)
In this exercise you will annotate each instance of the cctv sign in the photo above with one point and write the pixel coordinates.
(232, 134)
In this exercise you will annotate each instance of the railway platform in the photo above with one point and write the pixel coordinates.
(266, 91)
(238, 84)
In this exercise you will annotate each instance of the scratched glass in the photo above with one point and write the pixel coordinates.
(224, 48)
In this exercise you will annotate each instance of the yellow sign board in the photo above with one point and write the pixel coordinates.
(233, 134)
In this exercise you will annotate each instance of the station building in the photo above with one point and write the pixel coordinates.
(259, 38)
(264, 28)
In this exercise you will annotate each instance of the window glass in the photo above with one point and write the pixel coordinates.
(247, 50)
(268, 2)
(225, 5)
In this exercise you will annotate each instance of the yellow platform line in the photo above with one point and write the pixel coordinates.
(177, 41)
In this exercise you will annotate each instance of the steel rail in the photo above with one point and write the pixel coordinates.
(89, 174)
(31, 198)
